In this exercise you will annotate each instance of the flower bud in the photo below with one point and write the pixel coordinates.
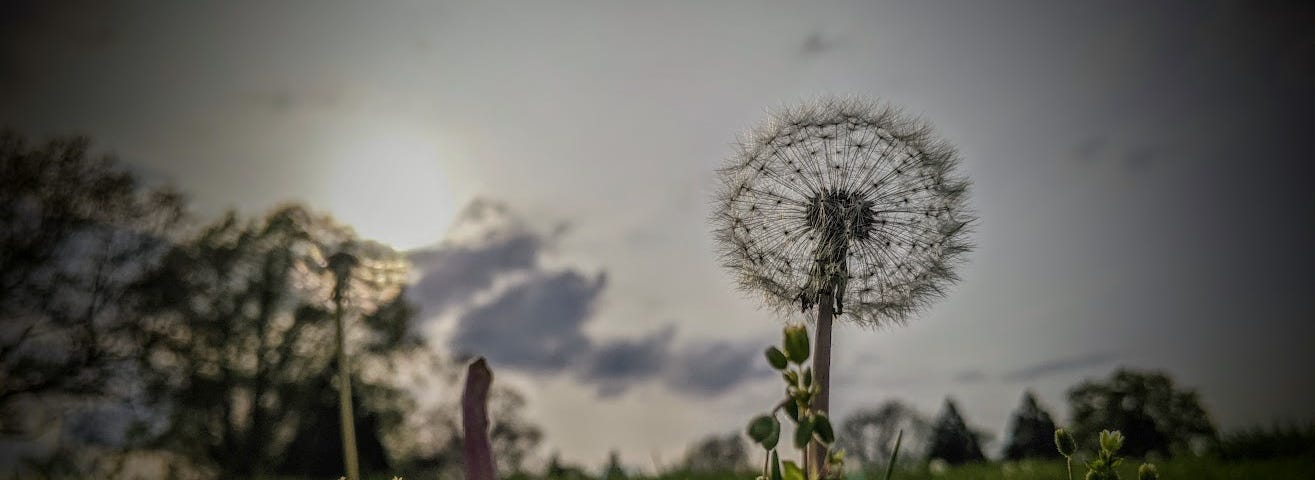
(1147, 472)
(1111, 441)
(1065, 443)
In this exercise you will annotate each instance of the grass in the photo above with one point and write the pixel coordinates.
(1194, 469)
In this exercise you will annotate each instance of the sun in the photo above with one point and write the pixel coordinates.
(390, 185)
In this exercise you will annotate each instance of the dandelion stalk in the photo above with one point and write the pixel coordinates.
(847, 206)
(341, 265)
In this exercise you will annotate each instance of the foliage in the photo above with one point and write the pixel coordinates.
(236, 339)
(76, 230)
(1156, 415)
(868, 435)
(1030, 431)
(716, 453)
(951, 439)
(809, 425)
(1265, 443)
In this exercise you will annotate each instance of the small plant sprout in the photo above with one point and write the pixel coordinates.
(810, 424)
(1104, 466)
(847, 206)
(1067, 447)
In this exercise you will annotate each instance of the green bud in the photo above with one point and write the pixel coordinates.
(791, 376)
(808, 378)
(822, 427)
(776, 467)
(1111, 441)
(776, 358)
(796, 343)
(1147, 472)
(1065, 443)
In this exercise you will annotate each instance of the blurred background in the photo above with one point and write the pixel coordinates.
(532, 182)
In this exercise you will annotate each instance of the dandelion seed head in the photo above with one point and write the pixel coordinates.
(847, 197)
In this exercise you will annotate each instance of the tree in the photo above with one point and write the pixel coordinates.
(1153, 414)
(237, 334)
(868, 435)
(1031, 432)
(952, 440)
(76, 230)
(717, 453)
(614, 470)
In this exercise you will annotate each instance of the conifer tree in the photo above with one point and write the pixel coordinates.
(1030, 432)
(951, 440)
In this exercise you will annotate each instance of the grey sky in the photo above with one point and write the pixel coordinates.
(1141, 173)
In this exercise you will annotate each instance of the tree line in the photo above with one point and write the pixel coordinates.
(138, 335)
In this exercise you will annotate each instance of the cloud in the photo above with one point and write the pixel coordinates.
(714, 368)
(536, 325)
(816, 44)
(1058, 365)
(451, 273)
(614, 367)
(507, 307)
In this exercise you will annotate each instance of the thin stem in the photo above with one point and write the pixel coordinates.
(822, 374)
(345, 397)
(1068, 462)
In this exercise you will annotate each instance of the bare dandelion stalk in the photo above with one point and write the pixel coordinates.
(341, 264)
(846, 205)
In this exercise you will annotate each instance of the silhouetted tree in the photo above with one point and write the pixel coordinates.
(868, 435)
(1031, 432)
(614, 470)
(952, 440)
(237, 338)
(76, 230)
(1153, 414)
(717, 453)
(557, 470)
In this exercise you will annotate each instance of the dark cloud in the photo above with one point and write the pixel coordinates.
(452, 273)
(969, 376)
(816, 44)
(536, 325)
(711, 369)
(488, 242)
(616, 366)
(287, 100)
(536, 318)
(1058, 365)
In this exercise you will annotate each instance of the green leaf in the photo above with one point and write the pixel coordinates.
(792, 409)
(776, 466)
(803, 432)
(793, 472)
(796, 343)
(771, 440)
(776, 358)
(822, 427)
(761, 427)
(894, 454)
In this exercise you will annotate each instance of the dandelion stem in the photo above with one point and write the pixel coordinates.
(822, 373)
(345, 391)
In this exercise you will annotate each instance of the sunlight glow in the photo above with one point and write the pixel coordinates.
(390, 185)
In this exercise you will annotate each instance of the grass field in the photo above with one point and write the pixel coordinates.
(1192, 469)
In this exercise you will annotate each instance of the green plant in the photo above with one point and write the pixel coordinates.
(811, 425)
(1104, 466)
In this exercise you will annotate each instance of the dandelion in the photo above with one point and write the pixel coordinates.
(844, 205)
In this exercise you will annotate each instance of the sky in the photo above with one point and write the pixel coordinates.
(1141, 174)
